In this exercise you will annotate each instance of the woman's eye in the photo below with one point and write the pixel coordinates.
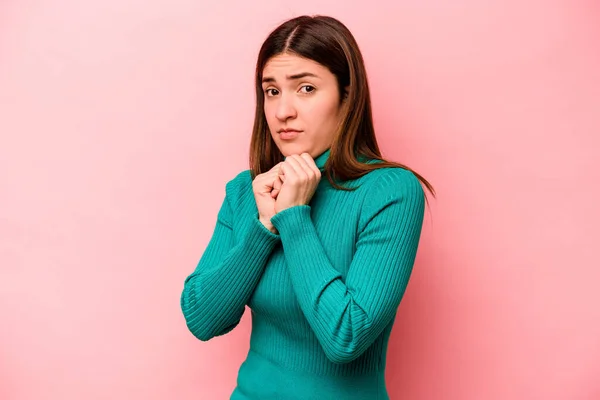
(269, 92)
(312, 89)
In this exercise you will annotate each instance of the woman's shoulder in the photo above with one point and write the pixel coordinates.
(241, 178)
(239, 184)
(393, 181)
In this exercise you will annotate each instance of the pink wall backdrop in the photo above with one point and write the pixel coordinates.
(120, 123)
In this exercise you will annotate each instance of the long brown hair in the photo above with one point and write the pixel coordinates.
(329, 42)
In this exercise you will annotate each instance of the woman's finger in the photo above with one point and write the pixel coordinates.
(296, 167)
(276, 187)
(287, 171)
(309, 164)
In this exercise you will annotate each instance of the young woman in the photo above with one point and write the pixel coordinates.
(322, 263)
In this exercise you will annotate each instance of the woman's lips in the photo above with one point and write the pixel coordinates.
(289, 135)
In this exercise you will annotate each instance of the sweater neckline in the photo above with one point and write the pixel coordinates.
(321, 159)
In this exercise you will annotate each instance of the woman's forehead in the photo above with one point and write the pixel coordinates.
(289, 66)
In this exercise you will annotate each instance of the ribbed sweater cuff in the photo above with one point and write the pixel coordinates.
(293, 221)
(257, 245)
(260, 233)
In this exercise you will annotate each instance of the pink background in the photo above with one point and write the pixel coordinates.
(121, 122)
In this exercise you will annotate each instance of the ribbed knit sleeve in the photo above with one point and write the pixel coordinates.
(215, 294)
(347, 316)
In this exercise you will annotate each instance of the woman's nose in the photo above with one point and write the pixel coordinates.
(285, 108)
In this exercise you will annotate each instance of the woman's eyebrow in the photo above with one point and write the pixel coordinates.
(291, 77)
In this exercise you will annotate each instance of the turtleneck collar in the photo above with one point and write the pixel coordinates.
(321, 159)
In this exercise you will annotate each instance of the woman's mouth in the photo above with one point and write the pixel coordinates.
(288, 135)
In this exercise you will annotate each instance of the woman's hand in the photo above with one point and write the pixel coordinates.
(300, 176)
(263, 187)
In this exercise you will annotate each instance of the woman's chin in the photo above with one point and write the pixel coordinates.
(288, 149)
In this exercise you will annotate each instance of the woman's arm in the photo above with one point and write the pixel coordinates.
(215, 295)
(348, 316)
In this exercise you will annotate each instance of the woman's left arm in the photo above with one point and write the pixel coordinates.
(347, 316)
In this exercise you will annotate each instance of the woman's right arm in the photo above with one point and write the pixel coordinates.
(214, 296)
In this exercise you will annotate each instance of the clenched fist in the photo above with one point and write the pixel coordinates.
(300, 177)
(265, 188)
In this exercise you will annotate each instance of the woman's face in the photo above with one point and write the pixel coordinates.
(301, 96)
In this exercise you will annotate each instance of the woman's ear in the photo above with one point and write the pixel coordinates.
(346, 91)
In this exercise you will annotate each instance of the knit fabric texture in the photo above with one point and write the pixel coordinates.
(323, 292)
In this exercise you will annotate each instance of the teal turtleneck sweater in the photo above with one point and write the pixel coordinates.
(323, 292)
